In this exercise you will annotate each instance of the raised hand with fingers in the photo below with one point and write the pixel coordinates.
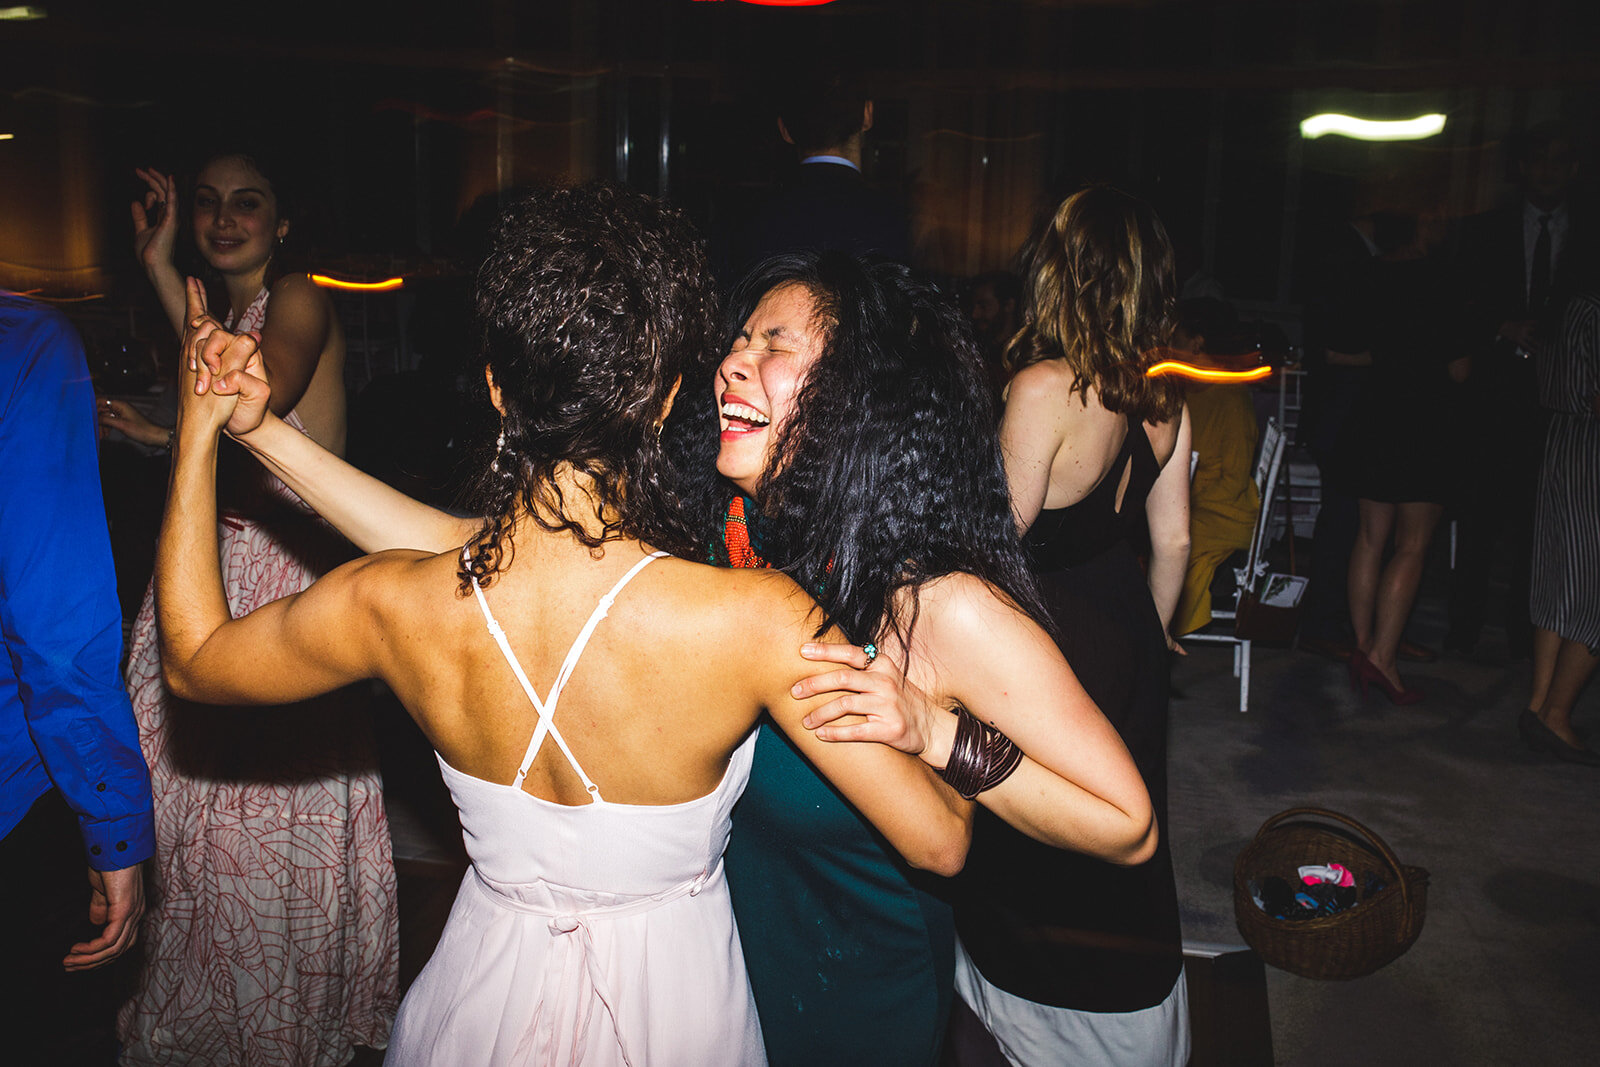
(887, 707)
(201, 404)
(155, 220)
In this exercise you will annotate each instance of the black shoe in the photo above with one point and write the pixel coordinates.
(1541, 738)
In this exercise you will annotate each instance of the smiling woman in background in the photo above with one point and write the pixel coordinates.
(272, 935)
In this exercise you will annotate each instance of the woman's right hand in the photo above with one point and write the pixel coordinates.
(155, 220)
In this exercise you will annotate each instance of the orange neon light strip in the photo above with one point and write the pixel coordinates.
(36, 294)
(387, 285)
(1206, 374)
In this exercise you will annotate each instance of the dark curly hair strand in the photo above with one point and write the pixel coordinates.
(592, 304)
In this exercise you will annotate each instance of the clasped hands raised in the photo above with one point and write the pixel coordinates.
(223, 381)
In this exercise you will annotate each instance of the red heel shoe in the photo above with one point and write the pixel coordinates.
(1362, 667)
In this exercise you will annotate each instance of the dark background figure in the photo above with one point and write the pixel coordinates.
(1223, 499)
(1338, 363)
(1513, 258)
(993, 306)
(1565, 600)
(1401, 449)
(70, 766)
(826, 202)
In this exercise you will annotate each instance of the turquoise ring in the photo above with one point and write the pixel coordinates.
(871, 650)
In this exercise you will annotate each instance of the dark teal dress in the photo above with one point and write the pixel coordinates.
(850, 961)
(851, 958)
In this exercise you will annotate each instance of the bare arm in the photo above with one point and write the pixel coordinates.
(155, 230)
(278, 654)
(372, 515)
(299, 320)
(1167, 511)
(1079, 787)
(1032, 431)
(922, 818)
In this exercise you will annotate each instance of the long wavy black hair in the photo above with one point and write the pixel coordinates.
(889, 472)
(592, 304)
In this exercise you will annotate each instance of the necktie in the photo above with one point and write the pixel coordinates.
(1539, 279)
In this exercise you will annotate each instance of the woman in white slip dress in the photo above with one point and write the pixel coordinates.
(521, 933)
(594, 926)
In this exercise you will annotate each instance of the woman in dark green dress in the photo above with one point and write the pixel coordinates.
(851, 406)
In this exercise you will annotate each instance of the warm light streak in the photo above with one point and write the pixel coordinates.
(34, 294)
(1206, 374)
(1372, 129)
(6, 136)
(385, 286)
(22, 14)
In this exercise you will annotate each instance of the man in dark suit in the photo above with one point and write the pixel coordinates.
(1515, 258)
(826, 203)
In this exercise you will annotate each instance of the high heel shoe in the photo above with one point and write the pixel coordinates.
(1539, 737)
(1363, 673)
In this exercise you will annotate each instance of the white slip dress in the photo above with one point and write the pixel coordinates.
(591, 934)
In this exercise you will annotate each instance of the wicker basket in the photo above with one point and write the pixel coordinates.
(1349, 944)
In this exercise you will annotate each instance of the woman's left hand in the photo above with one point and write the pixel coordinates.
(891, 710)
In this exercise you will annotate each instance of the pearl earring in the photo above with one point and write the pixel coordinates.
(499, 447)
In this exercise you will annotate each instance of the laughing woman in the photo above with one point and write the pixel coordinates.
(847, 438)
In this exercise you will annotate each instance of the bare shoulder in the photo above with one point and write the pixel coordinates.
(296, 288)
(1049, 380)
(744, 604)
(752, 611)
(963, 607)
(385, 581)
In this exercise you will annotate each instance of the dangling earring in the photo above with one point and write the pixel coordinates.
(499, 447)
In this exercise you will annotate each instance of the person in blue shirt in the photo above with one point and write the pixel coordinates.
(68, 743)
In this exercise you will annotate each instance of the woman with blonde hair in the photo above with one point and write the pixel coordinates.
(1066, 959)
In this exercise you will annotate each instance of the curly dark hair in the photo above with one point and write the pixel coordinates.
(889, 472)
(1100, 295)
(593, 303)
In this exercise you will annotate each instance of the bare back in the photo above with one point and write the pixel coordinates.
(1060, 445)
(648, 716)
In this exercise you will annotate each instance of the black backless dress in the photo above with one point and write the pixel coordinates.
(1054, 927)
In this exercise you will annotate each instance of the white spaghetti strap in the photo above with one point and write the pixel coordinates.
(546, 708)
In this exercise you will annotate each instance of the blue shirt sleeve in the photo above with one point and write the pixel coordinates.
(65, 720)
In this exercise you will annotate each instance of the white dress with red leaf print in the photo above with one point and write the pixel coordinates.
(271, 936)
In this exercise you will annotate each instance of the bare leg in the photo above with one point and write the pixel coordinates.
(1546, 644)
(1366, 561)
(1574, 665)
(1397, 587)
